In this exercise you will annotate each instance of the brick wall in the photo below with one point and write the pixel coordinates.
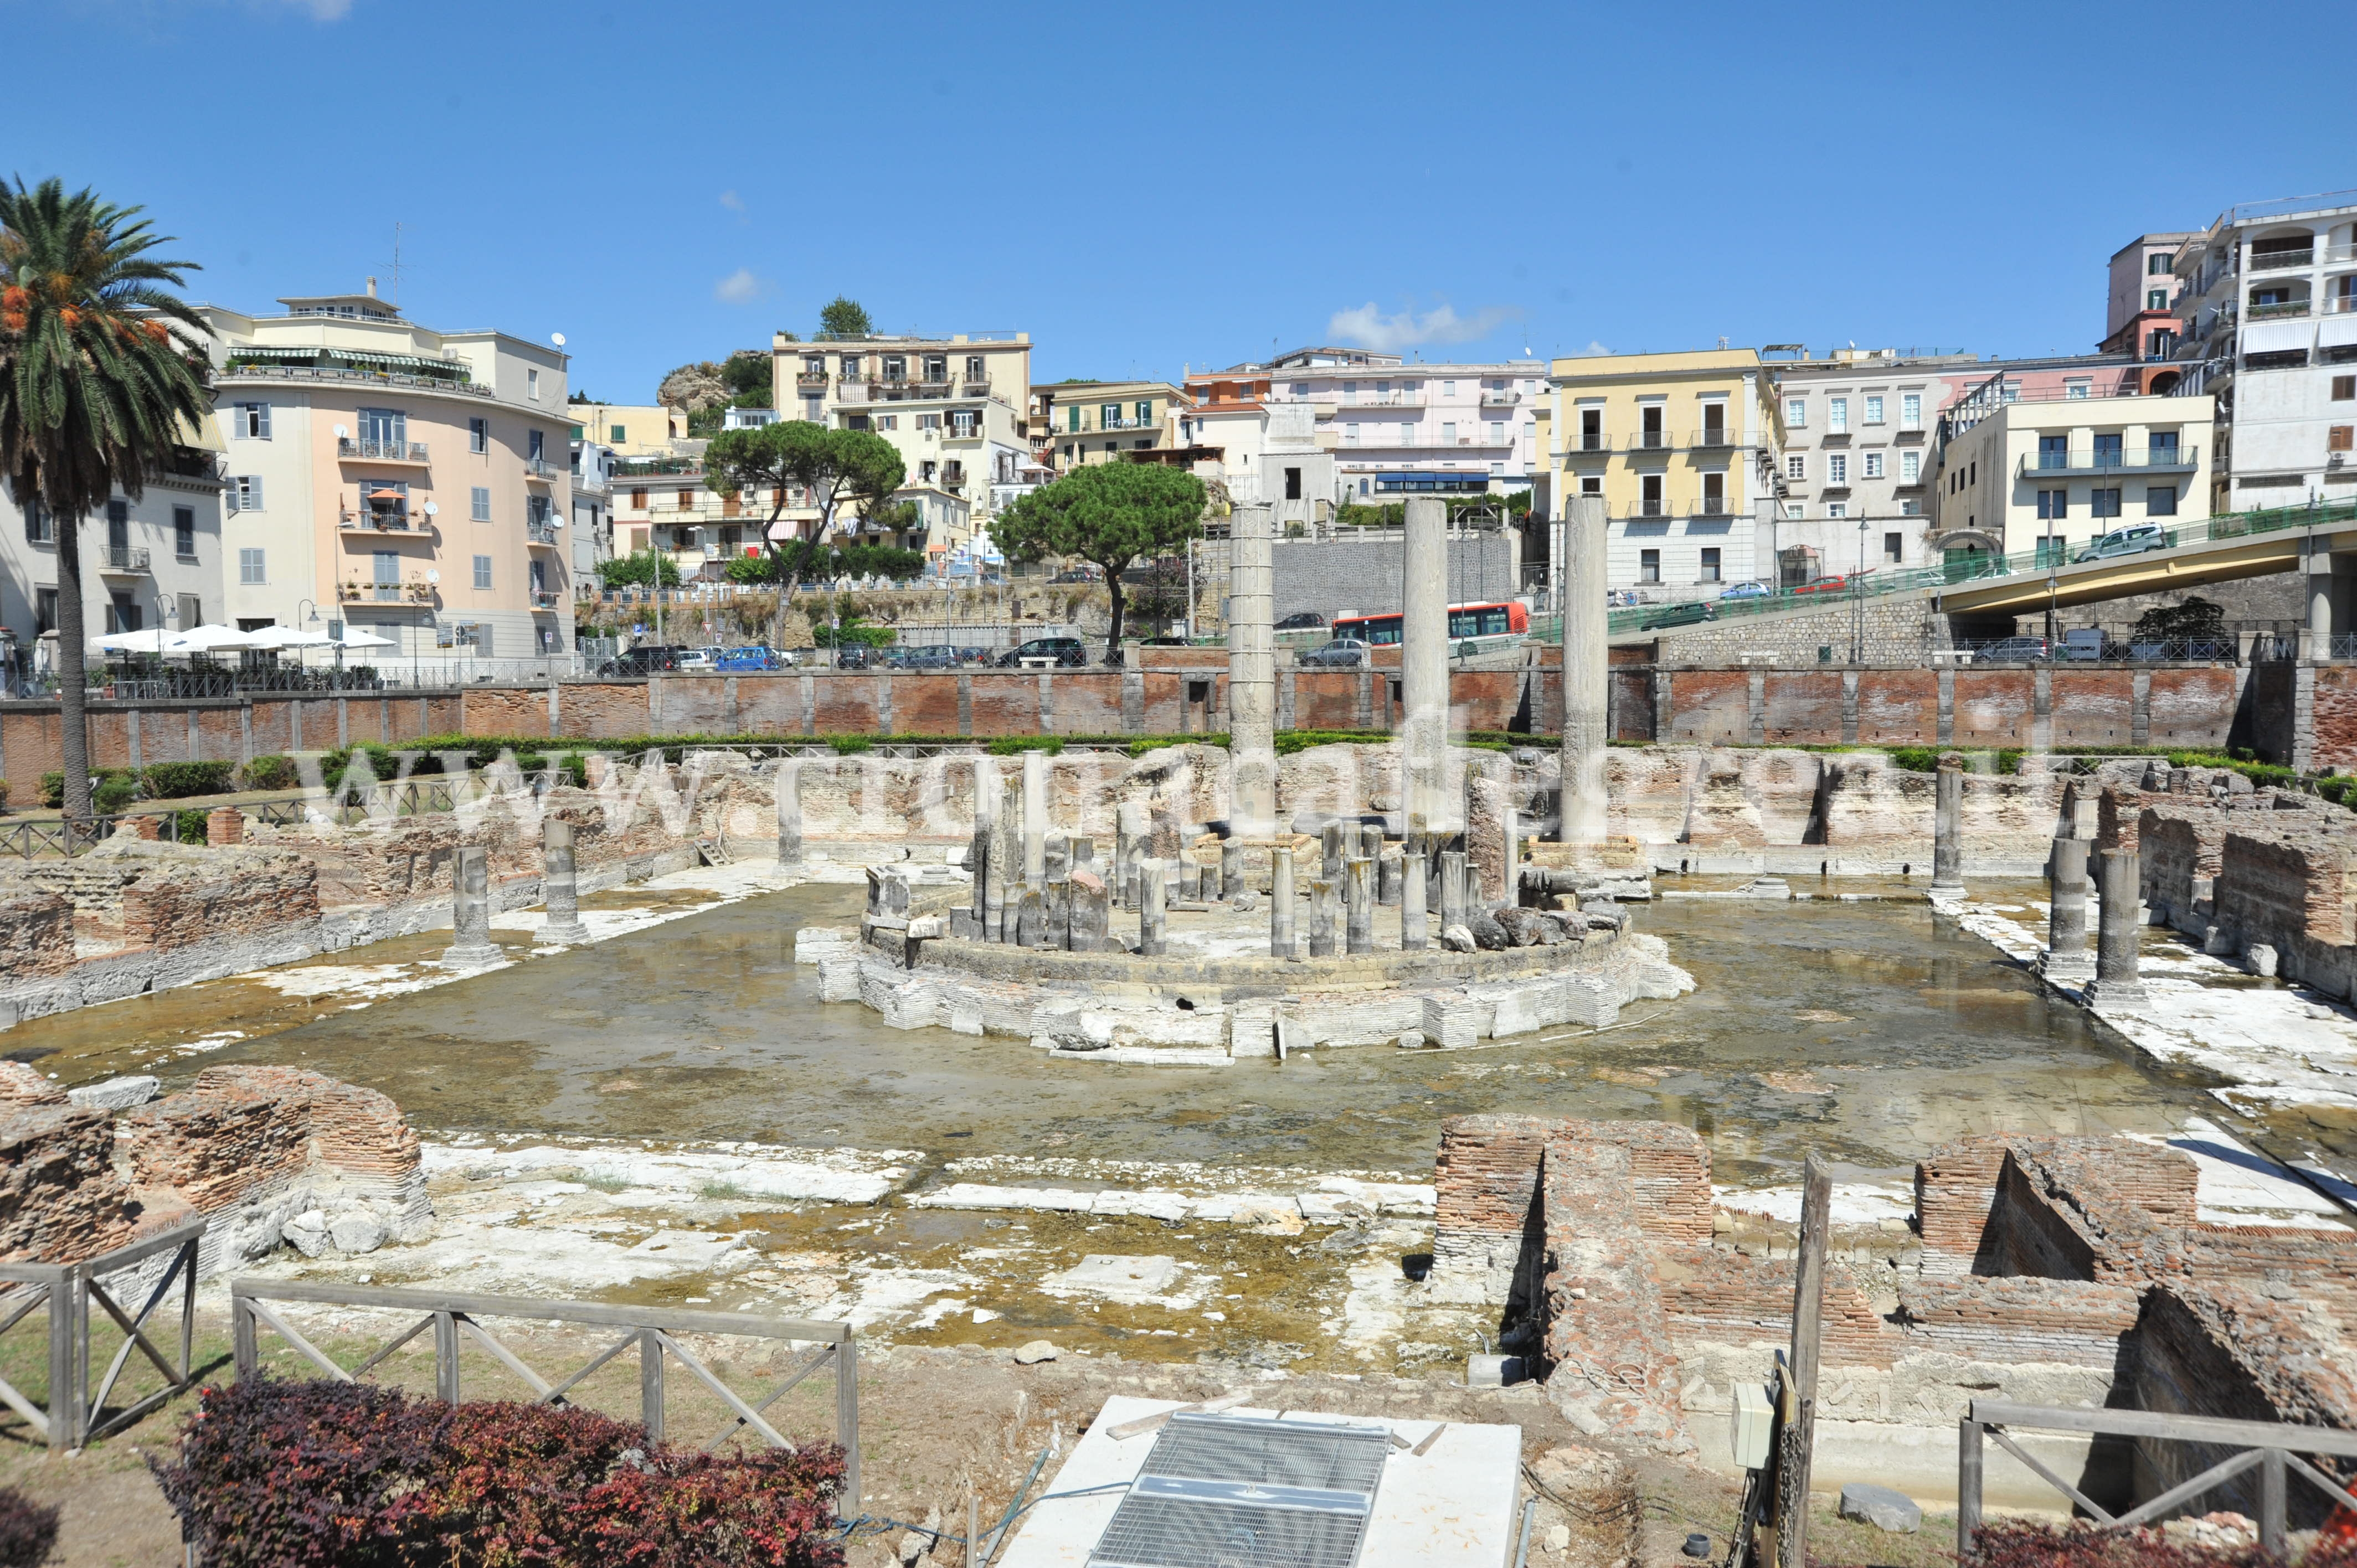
(1953, 1187)
(1898, 707)
(2335, 715)
(1802, 709)
(2190, 707)
(1709, 706)
(37, 935)
(1994, 707)
(2093, 707)
(60, 1200)
(2035, 1320)
(1717, 1298)
(227, 895)
(2275, 883)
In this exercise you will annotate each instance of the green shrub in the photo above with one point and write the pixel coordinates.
(274, 772)
(1012, 745)
(115, 793)
(851, 745)
(192, 828)
(180, 780)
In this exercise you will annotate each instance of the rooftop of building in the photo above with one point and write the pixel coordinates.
(2172, 237)
(1675, 362)
(783, 344)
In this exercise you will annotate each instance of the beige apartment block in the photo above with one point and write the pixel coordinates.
(957, 408)
(1103, 421)
(411, 481)
(2049, 473)
(632, 430)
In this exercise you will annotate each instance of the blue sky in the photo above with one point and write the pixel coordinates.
(1142, 187)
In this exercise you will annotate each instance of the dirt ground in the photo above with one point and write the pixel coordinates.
(934, 1422)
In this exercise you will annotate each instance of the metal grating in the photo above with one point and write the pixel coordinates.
(1245, 1492)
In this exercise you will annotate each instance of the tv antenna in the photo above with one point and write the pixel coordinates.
(395, 269)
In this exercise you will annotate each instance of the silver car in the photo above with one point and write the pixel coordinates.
(1343, 652)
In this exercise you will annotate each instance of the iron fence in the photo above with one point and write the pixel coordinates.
(653, 1333)
(2274, 1450)
(2130, 649)
(73, 1413)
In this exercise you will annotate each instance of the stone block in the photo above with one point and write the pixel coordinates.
(115, 1093)
(1893, 1512)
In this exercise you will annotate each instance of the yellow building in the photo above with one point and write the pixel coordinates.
(631, 430)
(1683, 449)
(1098, 422)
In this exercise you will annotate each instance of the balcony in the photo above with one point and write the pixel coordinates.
(541, 534)
(975, 386)
(543, 600)
(1710, 436)
(2284, 308)
(350, 522)
(366, 449)
(1589, 443)
(964, 432)
(2274, 261)
(2340, 304)
(810, 382)
(1652, 441)
(122, 560)
(1495, 399)
(384, 593)
(2097, 464)
(1383, 400)
(539, 469)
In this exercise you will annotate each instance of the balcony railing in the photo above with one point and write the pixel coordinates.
(377, 451)
(539, 469)
(2271, 261)
(385, 593)
(126, 558)
(543, 599)
(373, 522)
(1495, 399)
(2282, 308)
(262, 371)
(808, 381)
(540, 533)
(1383, 400)
(1652, 441)
(2065, 465)
(976, 386)
(1592, 442)
(1711, 435)
(963, 432)
(2340, 304)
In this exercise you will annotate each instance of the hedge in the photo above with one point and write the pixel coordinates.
(272, 1474)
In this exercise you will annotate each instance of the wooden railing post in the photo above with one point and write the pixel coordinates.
(650, 1383)
(846, 1417)
(446, 1357)
(2271, 1503)
(1968, 1483)
(240, 1325)
(65, 1402)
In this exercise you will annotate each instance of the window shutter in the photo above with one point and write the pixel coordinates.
(261, 420)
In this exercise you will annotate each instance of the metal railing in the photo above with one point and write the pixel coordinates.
(1493, 398)
(2111, 651)
(1711, 435)
(379, 451)
(1652, 441)
(1983, 566)
(653, 1333)
(2272, 1449)
(75, 1413)
(540, 532)
(2282, 308)
(1382, 399)
(2269, 261)
(539, 469)
(265, 370)
(2104, 460)
(123, 558)
(373, 522)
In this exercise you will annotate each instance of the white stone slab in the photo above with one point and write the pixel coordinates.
(1453, 1504)
(1117, 1277)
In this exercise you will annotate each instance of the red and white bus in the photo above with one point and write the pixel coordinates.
(1485, 625)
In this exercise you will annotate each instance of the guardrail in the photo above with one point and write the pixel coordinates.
(2274, 1450)
(1982, 567)
(75, 1413)
(653, 1333)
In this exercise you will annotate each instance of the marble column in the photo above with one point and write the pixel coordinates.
(1035, 817)
(1252, 675)
(1414, 918)
(1280, 903)
(1153, 913)
(560, 886)
(1321, 917)
(2066, 957)
(2120, 931)
(1452, 887)
(790, 812)
(1432, 806)
(1948, 830)
(470, 911)
(1359, 903)
(1586, 694)
(1330, 850)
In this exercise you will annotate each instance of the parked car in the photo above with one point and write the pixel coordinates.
(931, 656)
(1164, 642)
(2014, 650)
(1748, 591)
(1066, 651)
(1687, 613)
(644, 659)
(855, 656)
(2131, 541)
(1342, 652)
(973, 655)
(1831, 584)
(2086, 644)
(1079, 575)
(1302, 620)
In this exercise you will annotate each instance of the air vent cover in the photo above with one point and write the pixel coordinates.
(1223, 1491)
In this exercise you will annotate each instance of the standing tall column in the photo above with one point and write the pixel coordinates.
(790, 812)
(1252, 675)
(1452, 887)
(1331, 851)
(1004, 897)
(1413, 915)
(560, 888)
(1128, 836)
(2066, 957)
(1359, 903)
(1586, 701)
(1948, 830)
(1153, 939)
(1035, 817)
(1321, 917)
(1280, 903)
(470, 911)
(2121, 932)
(1432, 807)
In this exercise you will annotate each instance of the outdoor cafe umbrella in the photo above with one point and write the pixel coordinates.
(209, 640)
(151, 640)
(355, 638)
(274, 636)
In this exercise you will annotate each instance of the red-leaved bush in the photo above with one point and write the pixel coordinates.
(277, 1475)
(2017, 1544)
(28, 1529)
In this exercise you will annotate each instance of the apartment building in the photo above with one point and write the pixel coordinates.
(413, 480)
(958, 408)
(2140, 304)
(155, 562)
(667, 504)
(1224, 432)
(1104, 421)
(2047, 472)
(1682, 447)
(632, 430)
(2269, 314)
(592, 540)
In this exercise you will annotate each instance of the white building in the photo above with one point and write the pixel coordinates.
(2270, 319)
(593, 510)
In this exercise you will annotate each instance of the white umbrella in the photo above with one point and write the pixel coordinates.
(209, 640)
(285, 636)
(151, 640)
(355, 638)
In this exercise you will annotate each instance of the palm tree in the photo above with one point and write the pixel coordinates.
(96, 387)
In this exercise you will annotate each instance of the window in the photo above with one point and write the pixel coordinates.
(1874, 410)
(2160, 501)
(1448, 388)
(2159, 262)
(1073, 419)
(1837, 468)
(2109, 448)
(1496, 433)
(1906, 508)
(45, 610)
(250, 421)
(638, 501)
(2053, 504)
(1796, 468)
(245, 493)
(1972, 472)
(1448, 432)
(478, 435)
(2156, 299)
(2104, 503)
(1873, 469)
(484, 573)
(1591, 430)
(251, 568)
(1796, 508)
(535, 444)
(616, 435)
(1893, 546)
(1145, 410)
(973, 371)
(2161, 446)
(1910, 467)
(937, 366)
(1837, 415)
(184, 532)
(1797, 412)
(1293, 484)
(1591, 484)
(1407, 435)
(1648, 565)
(2336, 437)
(2055, 451)
(532, 385)
(2076, 388)
(1350, 434)
(2344, 388)
(1109, 416)
(36, 524)
(2010, 392)
(482, 503)
(1714, 494)
(1710, 564)
(1911, 411)
(926, 471)
(1649, 490)
(1838, 509)
(888, 422)
(851, 366)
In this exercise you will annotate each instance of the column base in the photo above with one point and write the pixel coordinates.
(2067, 969)
(1948, 890)
(2127, 995)
(470, 955)
(563, 934)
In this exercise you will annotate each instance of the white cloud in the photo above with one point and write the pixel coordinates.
(1371, 329)
(740, 287)
(323, 10)
(1593, 350)
(731, 200)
